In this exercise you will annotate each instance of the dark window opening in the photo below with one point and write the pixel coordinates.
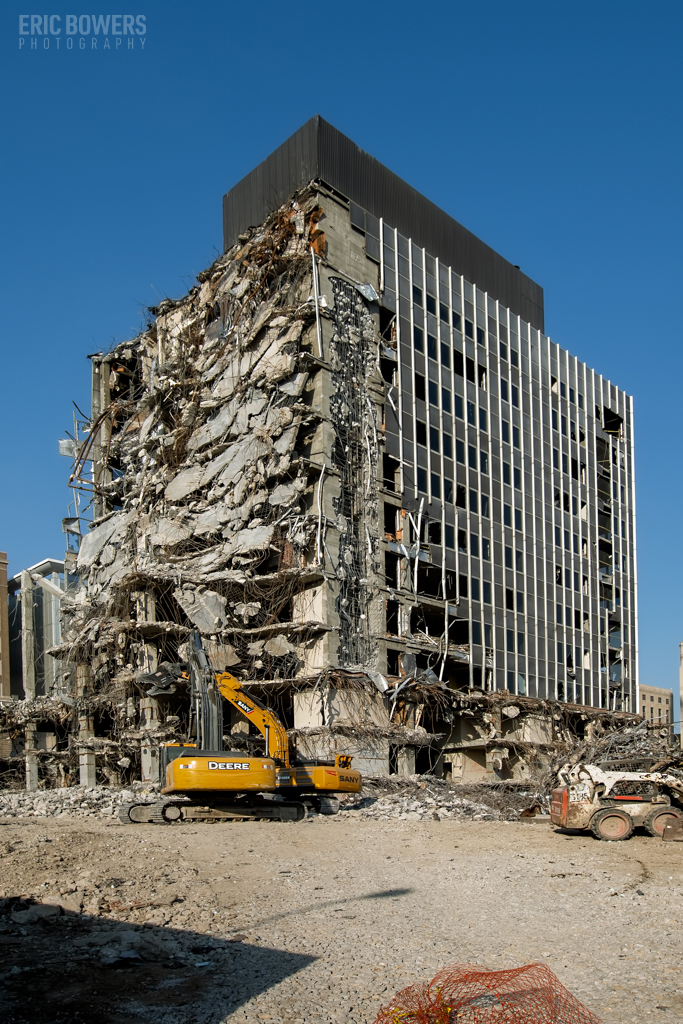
(612, 422)
(420, 387)
(390, 469)
(392, 617)
(421, 433)
(434, 533)
(391, 518)
(391, 564)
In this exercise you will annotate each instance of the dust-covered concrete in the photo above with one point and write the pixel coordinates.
(325, 920)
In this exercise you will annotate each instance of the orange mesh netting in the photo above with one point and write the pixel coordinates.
(473, 995)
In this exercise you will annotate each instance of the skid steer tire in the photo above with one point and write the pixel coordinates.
(659, 818)
(612, 825)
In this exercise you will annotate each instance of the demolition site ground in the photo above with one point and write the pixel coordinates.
(323, 921)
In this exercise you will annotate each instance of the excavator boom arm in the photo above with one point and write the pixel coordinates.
(267, 723)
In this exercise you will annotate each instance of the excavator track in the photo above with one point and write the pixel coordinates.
(169, 812)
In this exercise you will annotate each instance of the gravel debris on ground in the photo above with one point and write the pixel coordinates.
(322, 921)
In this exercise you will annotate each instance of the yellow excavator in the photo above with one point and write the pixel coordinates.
(203, 781)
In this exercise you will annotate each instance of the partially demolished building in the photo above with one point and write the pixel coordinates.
(352, 461)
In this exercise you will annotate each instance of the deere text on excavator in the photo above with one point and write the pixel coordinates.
(204, 781)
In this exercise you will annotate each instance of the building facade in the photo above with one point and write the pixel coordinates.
(507, 487)
(351, 459)
(656, 705)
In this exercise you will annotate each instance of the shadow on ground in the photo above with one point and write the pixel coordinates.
(75, 969)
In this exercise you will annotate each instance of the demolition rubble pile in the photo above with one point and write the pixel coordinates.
(73, 802)
(422, 798)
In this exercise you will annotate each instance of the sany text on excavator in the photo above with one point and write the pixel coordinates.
(204, 781)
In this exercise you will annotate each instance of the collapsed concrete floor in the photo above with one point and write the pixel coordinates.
(259, 921)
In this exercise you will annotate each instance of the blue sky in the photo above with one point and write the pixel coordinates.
(553, 131)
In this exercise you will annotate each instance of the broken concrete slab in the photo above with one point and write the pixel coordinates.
(205, 608)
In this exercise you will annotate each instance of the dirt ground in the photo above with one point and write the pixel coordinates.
(324, 920)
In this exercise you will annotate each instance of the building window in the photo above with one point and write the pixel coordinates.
(417, 295)
(504, 390)
(506, 472)
(508, 558)
(460, 496)
(460, 451)
(431, 305)
(565, 463)
(445, 356)
(505, 431)
(434, 439)
(445, 400)
(485, 505)
(484, 462)
(564, 425)
(418, 339)
(419, 387)
(515, 437)
(458, 407)
(449, 536)
(487, 593)
(520, 602)
(507, 515)
(462, 541)
(556, 458)
(447, 484)
(515, 396)
(554, 418)
(422, 479)
(474, 545)
(509, 599)
(482, 420)
(474, 502)
(511, 640)
(431, 346)
(471, 413)
(518, 478)
(519, 560)
(436, 485)
(520, 643)
(433, 393)
(486, 549)
(476, 632)
(474, 588)
(472, 456)
(421, 433)
(488, 635)
(518, 519)
(447, 446)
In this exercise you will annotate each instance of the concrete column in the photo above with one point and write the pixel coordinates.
(86, 728)
(145, 611)
(28, 651)
(5, 691)
(31, 757)
(149, 752)
(87, 773)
